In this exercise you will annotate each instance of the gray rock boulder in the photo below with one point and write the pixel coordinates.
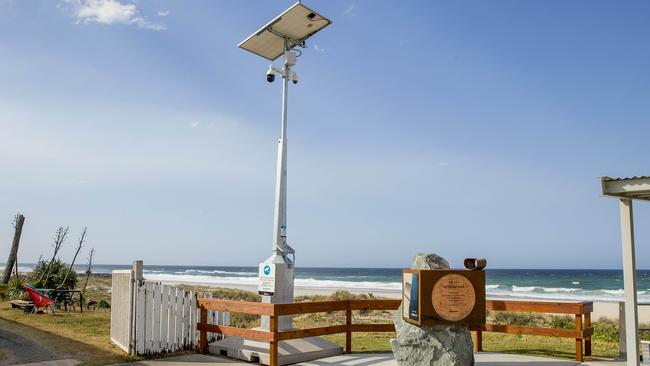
(438, 345)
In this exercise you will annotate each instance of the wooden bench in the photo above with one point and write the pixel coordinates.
(580, 310)
(27, 306)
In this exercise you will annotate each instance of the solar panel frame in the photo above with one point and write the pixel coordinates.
(293, 23)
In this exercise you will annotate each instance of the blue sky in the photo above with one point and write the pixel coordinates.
(465, 128)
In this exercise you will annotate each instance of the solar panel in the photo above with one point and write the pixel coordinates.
(297, 24)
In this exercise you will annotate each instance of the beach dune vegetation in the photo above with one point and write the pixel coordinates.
(59, 277)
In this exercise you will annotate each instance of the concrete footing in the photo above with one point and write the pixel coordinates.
(291, 351)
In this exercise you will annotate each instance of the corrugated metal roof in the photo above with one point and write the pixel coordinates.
(610, 179)
(629, 187)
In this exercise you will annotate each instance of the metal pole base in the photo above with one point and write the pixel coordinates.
(284, 274)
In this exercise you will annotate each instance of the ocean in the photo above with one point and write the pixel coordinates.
(595, 285)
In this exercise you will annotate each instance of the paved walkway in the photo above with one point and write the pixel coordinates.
(482, 359)
(19, 350)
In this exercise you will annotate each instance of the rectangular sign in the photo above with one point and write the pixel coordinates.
(410, 296)
(432, 297)
(266, 286)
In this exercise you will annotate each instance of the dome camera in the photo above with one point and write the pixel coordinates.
(270, 75)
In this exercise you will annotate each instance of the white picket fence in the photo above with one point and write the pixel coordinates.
(165, 319)
(150, 317)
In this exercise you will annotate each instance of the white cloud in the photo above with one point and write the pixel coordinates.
(350, 10)
(163, 13)
(111, 12)
(318, 48)
(194, 124)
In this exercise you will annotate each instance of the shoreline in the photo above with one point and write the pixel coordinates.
(602, 309)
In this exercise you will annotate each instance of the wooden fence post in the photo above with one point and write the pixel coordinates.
(588, 339)
(203, 336)
(273, 344)
(579, 340)
(348, 332)
(478, 345)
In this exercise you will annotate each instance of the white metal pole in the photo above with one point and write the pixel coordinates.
(280, 214)
(281, 266)
(629, 282)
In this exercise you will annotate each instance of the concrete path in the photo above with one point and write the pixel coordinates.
(482, 359)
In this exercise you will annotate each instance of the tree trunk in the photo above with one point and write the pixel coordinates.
(20, 220)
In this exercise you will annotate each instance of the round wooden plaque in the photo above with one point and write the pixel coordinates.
(453, 297)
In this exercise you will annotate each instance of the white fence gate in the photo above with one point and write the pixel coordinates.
(122, 309)
(150, 317)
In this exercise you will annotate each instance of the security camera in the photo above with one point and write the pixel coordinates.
(294, 78)
(270, 75)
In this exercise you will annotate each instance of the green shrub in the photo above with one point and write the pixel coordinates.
(103, 304)
(41, 279)
(15, 289)
(4, 294)
(235, 294)
(518, 319)
(563, 322)
(605, 330)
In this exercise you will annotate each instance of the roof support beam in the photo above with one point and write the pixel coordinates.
(629, 282)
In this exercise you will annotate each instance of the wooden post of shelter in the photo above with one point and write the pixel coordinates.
(627, 190)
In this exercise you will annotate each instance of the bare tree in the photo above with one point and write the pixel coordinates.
(89, 268)
(59, 238)
(19, 220)
(76, 253)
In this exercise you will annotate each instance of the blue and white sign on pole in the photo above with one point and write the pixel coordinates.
(266, 285)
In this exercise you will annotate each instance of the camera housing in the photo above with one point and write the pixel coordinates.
(270, 74)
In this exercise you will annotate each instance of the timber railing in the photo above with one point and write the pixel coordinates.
(580, 310)
(273, 336)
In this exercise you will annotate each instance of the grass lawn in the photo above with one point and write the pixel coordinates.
(492, 342)
(604, 340)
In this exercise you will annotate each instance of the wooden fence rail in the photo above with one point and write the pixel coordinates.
(582, 332)
(580, 310)
(273, 336)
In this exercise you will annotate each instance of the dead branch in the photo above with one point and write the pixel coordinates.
(89, 268)
(76, 253)
(59, 238)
